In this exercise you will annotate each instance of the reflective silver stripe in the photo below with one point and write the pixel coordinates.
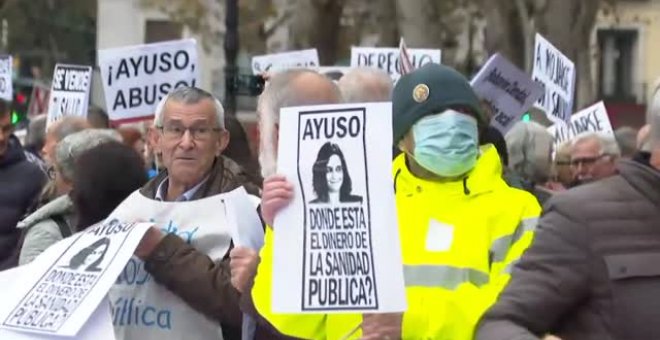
(509, 267)
(501, 246)
(447, 277)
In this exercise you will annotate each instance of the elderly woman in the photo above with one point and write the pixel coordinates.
(54, 221)
(529, 146)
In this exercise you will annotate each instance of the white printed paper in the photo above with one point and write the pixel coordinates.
(284, 61)
(509, 91)
(69, 95)
(336, 244)
(6, 85)
(387, 59)
(65, 285)
(136, 78)
(591, 119)
(141, 307)
(557, 73)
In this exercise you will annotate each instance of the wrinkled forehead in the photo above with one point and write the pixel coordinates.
(202, 111)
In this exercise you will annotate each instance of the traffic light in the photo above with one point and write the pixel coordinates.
(15, 118)
(20, 105)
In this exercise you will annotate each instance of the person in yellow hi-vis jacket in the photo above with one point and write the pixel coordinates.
(461, 227)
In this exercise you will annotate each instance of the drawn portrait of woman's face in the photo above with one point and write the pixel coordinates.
(95, 255)
(91, 257)
(334, 174)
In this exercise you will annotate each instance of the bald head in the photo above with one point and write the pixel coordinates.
(287, 89)
(364, 85)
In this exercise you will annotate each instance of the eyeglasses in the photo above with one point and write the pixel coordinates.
(176, 131)
(586, 161)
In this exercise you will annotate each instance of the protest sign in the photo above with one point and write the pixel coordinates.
(284, 61)
(557, 73)
(6, 85)
(69, 95)
(97, 327)
(59, 294)
(509, 91)
(38, 99)
(387, 59)
(591, 119)
(143, 309)
(336, 244)
(136, 78)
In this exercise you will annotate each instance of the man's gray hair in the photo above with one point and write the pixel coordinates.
(363, 85)
(36, 131)
(67, 126)
(189, 95)
(530, 145)
(70, 148)
(607, 142)
(280, 92)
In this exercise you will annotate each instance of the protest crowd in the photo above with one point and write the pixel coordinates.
(411, 206)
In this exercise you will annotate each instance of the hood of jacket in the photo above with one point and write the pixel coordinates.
(59, 206)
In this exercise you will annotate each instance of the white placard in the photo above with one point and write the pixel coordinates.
(284, 61)
(6, 85)
(141, 307)
(557, 73)
(136, 78)
(337, 243)
(591, 119)
(387, 59)
(69, 94)
(509, 90)
(68, 281)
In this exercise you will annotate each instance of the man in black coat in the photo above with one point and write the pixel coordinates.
(20, 184)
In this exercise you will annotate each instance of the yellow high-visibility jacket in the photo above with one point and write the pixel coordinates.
(459, 241)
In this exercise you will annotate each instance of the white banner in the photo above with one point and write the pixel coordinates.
(387, 59)
(557, 73)
(337, 244)
(509, 90)
(6, 85)
(591, 119)
(136, 78)
(284, 61)
(69, 94)
(67, 282)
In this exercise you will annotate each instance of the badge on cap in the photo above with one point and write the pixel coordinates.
(421, 93)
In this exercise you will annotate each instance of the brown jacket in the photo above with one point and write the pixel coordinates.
(593, 271)
(193, 276)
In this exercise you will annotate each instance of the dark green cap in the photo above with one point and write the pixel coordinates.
(428, 90)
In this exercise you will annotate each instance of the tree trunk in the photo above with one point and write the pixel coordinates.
(316, 24)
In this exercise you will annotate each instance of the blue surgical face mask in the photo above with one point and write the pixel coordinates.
(446, 144)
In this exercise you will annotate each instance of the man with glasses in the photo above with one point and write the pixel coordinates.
(20, 184)
(594, 157)
(184, 203)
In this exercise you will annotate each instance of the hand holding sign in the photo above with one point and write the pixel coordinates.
(382, 326)
(243, 266)
(278, 192)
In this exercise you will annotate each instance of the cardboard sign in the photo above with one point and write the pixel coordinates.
(6, 85)
(509, 91)
(591, 119)
(69, 95)
(68, 281)
(136, 78)
(387, 59)
(557, 73)
(284, 61)
(336, 245)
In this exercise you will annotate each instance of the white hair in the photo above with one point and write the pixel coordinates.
(189, 95)
(72, 146)
(280, 92)
(607, 142)
(363, 85)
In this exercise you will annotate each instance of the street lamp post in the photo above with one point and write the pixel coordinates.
(231, 51)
